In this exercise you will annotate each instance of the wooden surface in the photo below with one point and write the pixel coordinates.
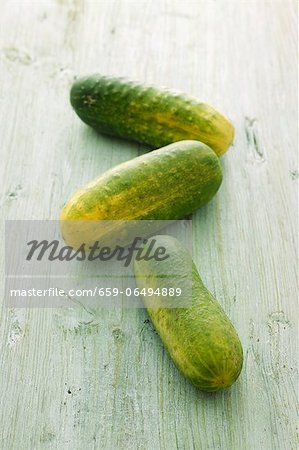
(72, 379)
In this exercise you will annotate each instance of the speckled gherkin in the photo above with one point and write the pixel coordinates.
(152, 116)
(200, 339)
(166, 184)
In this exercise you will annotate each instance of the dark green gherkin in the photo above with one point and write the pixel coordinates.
(156, 117)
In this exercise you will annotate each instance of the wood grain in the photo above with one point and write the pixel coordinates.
(73, 379)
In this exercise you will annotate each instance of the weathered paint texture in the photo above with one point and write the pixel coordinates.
(101, 379)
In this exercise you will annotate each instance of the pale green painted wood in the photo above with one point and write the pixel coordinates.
(102, 380)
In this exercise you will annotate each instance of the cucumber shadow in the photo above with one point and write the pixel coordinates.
(97, 145)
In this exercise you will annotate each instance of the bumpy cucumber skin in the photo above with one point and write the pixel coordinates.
(201, 339)
(152, 116)
(166, 184)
